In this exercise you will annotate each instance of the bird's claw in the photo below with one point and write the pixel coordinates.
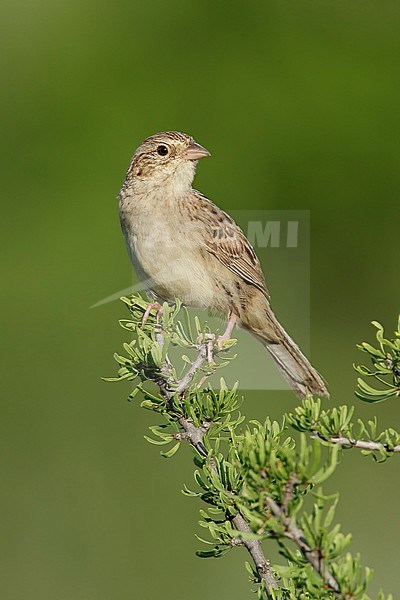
(148, 310)
(220, 341)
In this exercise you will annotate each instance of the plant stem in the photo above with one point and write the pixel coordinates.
(195, 436)
(362, 444)
(256, 552)
(296, 534)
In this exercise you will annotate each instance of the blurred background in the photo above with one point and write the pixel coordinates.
(299, 105)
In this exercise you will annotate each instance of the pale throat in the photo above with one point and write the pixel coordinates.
(172, 182)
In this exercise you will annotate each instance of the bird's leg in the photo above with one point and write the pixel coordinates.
(148, 310)
(232, 320)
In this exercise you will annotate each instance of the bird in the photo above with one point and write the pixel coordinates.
(184, 246)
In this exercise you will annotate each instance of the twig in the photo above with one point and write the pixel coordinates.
(362, 444)
(255, 550)
(195, 436)
(289, 489)
(296, 534)
(186, 380)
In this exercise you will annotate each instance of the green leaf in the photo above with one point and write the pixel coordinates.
(157, 442)
(171, 452)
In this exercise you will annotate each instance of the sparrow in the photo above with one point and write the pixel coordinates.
(184, 246)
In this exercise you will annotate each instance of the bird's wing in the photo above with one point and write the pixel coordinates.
(228, 243)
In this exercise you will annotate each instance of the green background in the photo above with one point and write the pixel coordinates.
(299, 104)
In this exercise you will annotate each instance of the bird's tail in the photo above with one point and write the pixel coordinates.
(291, 362)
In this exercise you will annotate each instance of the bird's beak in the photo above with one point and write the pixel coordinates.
(194, 152)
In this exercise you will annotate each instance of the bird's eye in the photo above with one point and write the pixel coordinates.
(162, 150)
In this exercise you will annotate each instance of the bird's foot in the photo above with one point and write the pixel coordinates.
(232, 320)
(148, 310)
(221, 339)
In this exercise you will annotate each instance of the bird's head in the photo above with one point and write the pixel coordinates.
(165, 159)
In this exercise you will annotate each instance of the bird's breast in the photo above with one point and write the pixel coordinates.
(168, 255)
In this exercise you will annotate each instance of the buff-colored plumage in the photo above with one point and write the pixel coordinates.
(184, 246)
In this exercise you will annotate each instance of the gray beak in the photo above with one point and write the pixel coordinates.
(194, 152)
